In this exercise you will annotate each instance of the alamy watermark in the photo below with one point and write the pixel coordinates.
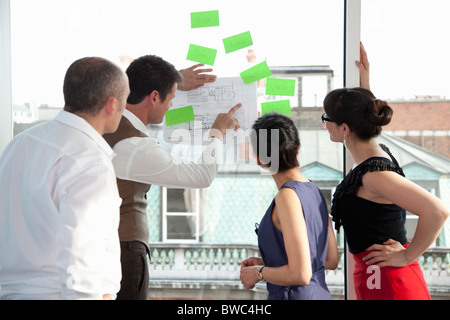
(373, 281)
(238, 146)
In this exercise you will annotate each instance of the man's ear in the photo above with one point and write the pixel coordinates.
(154, 96)
(110, 106)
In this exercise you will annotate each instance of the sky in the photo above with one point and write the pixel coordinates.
(407, 40)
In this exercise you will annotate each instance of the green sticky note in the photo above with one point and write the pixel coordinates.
(201, 54)
(179, 115)
(280, 87)
(258, 72)
(237, 42)
(282, 106)
(205, 19)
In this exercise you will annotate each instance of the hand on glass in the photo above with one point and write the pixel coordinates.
(194, 78)
(364, 67)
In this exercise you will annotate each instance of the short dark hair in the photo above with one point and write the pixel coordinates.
(288, 139)
(359, 109)
(149, 73)
(89, 83)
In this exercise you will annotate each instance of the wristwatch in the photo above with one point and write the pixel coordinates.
(260, 276)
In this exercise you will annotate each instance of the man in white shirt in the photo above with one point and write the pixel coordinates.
(141, 161)
(59, 202)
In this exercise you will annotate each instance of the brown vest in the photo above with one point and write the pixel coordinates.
(133, 211)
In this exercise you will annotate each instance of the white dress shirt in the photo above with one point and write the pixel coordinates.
(59, 213)
(144, 160)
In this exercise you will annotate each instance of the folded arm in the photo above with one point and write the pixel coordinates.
(89, 252)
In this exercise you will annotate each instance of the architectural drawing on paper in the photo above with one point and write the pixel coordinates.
(219, 97)
(214, 98)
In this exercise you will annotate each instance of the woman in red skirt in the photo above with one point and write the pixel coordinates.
(378, 282)
(370, 202)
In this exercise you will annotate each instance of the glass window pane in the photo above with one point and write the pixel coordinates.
(409, 60)
(314, 90)
(181, 228)
(175, 200)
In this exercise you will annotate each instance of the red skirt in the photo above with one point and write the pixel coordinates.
(388, 283)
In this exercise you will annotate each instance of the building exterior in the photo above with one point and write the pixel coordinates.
(424, 122)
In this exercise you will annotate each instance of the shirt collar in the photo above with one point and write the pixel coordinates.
(82, 125)
(135, 121)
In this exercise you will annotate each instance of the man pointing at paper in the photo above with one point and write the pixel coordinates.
(141, 161)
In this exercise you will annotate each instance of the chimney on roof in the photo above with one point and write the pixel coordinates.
(251, 56)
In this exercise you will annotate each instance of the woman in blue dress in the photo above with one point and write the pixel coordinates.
(295, 236)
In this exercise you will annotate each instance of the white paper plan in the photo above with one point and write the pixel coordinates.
(207, 102)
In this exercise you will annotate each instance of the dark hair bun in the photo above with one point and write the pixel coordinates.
(379, 113)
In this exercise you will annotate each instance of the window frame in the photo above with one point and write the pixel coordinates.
(165, 214)
(6, 123)
(352, 38)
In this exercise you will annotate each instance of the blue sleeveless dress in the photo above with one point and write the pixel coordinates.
(273, 252)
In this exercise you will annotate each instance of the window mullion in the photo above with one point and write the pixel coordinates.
(6, 128)
(352, 35)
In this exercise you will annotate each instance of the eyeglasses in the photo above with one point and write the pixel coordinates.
(325, 118)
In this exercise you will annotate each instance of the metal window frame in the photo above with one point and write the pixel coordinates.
(352, 37)
(6, 125)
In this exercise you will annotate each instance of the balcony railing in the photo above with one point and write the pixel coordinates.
(199, 262)
(212, 271)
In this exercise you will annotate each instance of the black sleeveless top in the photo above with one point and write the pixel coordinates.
(366, 222)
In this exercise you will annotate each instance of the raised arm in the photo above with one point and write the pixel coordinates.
(364, 68)
(145, 160)
(194, 78)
